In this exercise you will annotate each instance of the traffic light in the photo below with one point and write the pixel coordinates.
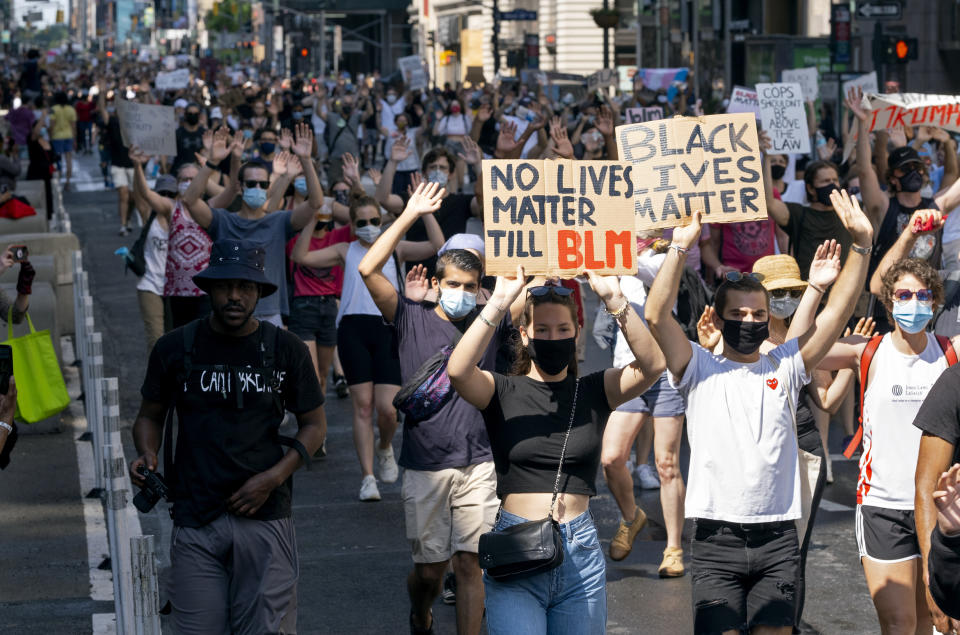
(304, 52)
(898, 49)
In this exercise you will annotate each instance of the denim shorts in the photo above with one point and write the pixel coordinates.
(62, 146)
(660, 400)
(568, 600)
(743, 575)
(314, 318)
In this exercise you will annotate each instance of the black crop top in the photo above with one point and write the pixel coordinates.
(526, 421)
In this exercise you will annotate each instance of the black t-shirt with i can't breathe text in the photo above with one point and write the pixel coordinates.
(228, 420)
(939, 413)
(526, 421)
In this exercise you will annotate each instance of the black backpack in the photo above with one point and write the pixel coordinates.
(692, 298)
(136, 260)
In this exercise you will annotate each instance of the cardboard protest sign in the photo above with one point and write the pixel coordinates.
(639, 115)
(685, 164)
(784, 118)
(153, 128)
(174, 80)
(558, 218)
(414, 75)
(603, 78)
(744, 100)
(868, 83)
(808, 78)
(914, 109)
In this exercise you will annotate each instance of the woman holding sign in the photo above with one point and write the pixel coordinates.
(545, 426)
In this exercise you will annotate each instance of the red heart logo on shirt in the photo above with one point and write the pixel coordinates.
(772, 383)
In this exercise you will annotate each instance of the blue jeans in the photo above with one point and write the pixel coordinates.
(571, 599)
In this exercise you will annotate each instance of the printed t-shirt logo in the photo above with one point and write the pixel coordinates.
(772, 383)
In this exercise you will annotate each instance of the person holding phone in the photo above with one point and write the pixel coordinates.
(12, 255)
(8, 430)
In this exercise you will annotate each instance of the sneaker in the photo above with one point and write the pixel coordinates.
(321, 451)
(622, 542)
(124, 230)
(416, 630)
(340, 385)
(368, 489)
(829, 472)
(389, 473)
(648, 477)
(449, 593)
(672, 565)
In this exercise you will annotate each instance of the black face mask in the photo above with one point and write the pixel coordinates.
(777, 171)
(911, 181)
(744, 337)
(552, 356)
(192, 118)
(823, 194)
(342, 196)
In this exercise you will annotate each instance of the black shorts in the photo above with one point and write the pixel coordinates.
(368, 350)
(886, 535)
(743, 575)
(313, 318)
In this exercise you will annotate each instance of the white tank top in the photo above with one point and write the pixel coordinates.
(891, 442)
(355, 299)
(155, 255)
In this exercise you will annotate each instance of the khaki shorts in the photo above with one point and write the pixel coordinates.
(447, 510)
(122, 177)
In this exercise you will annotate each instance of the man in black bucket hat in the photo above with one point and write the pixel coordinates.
(230, 377)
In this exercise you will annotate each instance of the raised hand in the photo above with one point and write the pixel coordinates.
(375, 175)
(604, 121)
(417, 284)
(208, 140)
(947, 499)
(484, 112)
(707, 332)
(607, 287)
(238, 144)
(286, 139)
(852, 217)
(926, 221)
(400, 150)
(506, 141)
(137, 155)
(865, 327)
(898, 136)
(416, 179)
(426, 199)
(351, 169)
(688, 235)
(561, 142)
(281, 162)
(827, 150)
(825, 266)
(304, 143)
(508, 289)
(220, 149)
(765, 142)
(854, 102)
(471, 154)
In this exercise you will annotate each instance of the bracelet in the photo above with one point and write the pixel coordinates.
(619, 313)
(6, 426)
(816, 288)
(679, 249)
(486, 321)
(863, 251)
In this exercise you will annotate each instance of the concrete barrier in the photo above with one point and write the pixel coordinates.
(61, 247)
(43, 312)
(34, 192)
(35, 224)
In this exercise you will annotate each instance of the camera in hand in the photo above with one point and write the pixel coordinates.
(153, 490)
(20, 253)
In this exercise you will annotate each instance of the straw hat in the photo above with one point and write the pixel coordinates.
(779, 272)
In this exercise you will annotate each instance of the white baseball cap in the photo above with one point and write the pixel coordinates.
(180, 103)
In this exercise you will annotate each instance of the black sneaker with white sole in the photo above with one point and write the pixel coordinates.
(449, 593)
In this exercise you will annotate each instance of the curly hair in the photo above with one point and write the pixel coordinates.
(522, 361)
(917, 268)
(921, 168)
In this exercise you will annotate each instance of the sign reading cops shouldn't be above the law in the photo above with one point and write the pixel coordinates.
(559, 218)
(685, 164)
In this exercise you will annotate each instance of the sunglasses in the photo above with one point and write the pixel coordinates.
(263, 185)
(540, 292)
(924, 296)
(327, 225)
(364, 222)
(782, 293)
(736, 276)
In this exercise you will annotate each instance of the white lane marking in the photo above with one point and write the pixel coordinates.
(104, 624)
(830, 506)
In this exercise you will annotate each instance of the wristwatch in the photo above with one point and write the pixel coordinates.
(863, 251)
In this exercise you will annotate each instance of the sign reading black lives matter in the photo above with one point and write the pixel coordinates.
(558, 218)
(685, 164)
(784, 118)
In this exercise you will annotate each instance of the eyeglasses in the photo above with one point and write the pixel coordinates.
(363, 222)
(736, 276)
(263, 185)
(545, 290)
(782, 293)
(924, 296)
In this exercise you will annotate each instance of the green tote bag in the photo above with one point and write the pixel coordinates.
(41, 391)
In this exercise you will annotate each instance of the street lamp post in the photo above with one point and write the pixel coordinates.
(495, 38)
(606, 38)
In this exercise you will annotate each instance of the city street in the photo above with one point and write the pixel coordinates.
(353, 556)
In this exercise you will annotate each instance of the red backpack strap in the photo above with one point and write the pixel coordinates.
(947, 347)
(865, 358)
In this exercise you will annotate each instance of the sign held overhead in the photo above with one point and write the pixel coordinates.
(784, 118)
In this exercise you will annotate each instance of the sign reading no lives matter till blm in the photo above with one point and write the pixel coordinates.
(680, 165)
(559, 218)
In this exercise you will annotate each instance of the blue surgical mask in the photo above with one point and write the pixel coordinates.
(912, 316)
(254, 197)
(297, 115)
(300, 184)
(248, 134)
(456, 303)
(438, 176)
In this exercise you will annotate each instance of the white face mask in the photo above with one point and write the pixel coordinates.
(367, 233)
(784, 307)
(438, 176)
(183, 186)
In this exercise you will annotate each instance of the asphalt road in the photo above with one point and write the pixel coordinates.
(353, 556)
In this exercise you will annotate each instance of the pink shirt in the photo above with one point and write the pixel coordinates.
(309, 281)
(188, 253)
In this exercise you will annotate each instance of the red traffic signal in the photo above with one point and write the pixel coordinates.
(902, 49)
(304, 52)
(898, 49)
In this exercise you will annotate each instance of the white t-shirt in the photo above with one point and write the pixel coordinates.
(796, 192)
(412, 162)
(636, 295)
(155, 257)
(741, 427)
(455, 125)
(389, 113)
(891, 442)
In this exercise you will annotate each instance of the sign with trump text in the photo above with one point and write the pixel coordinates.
(685, 164)
(559, 218)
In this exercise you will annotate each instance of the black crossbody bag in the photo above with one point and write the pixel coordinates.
(532, 547)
